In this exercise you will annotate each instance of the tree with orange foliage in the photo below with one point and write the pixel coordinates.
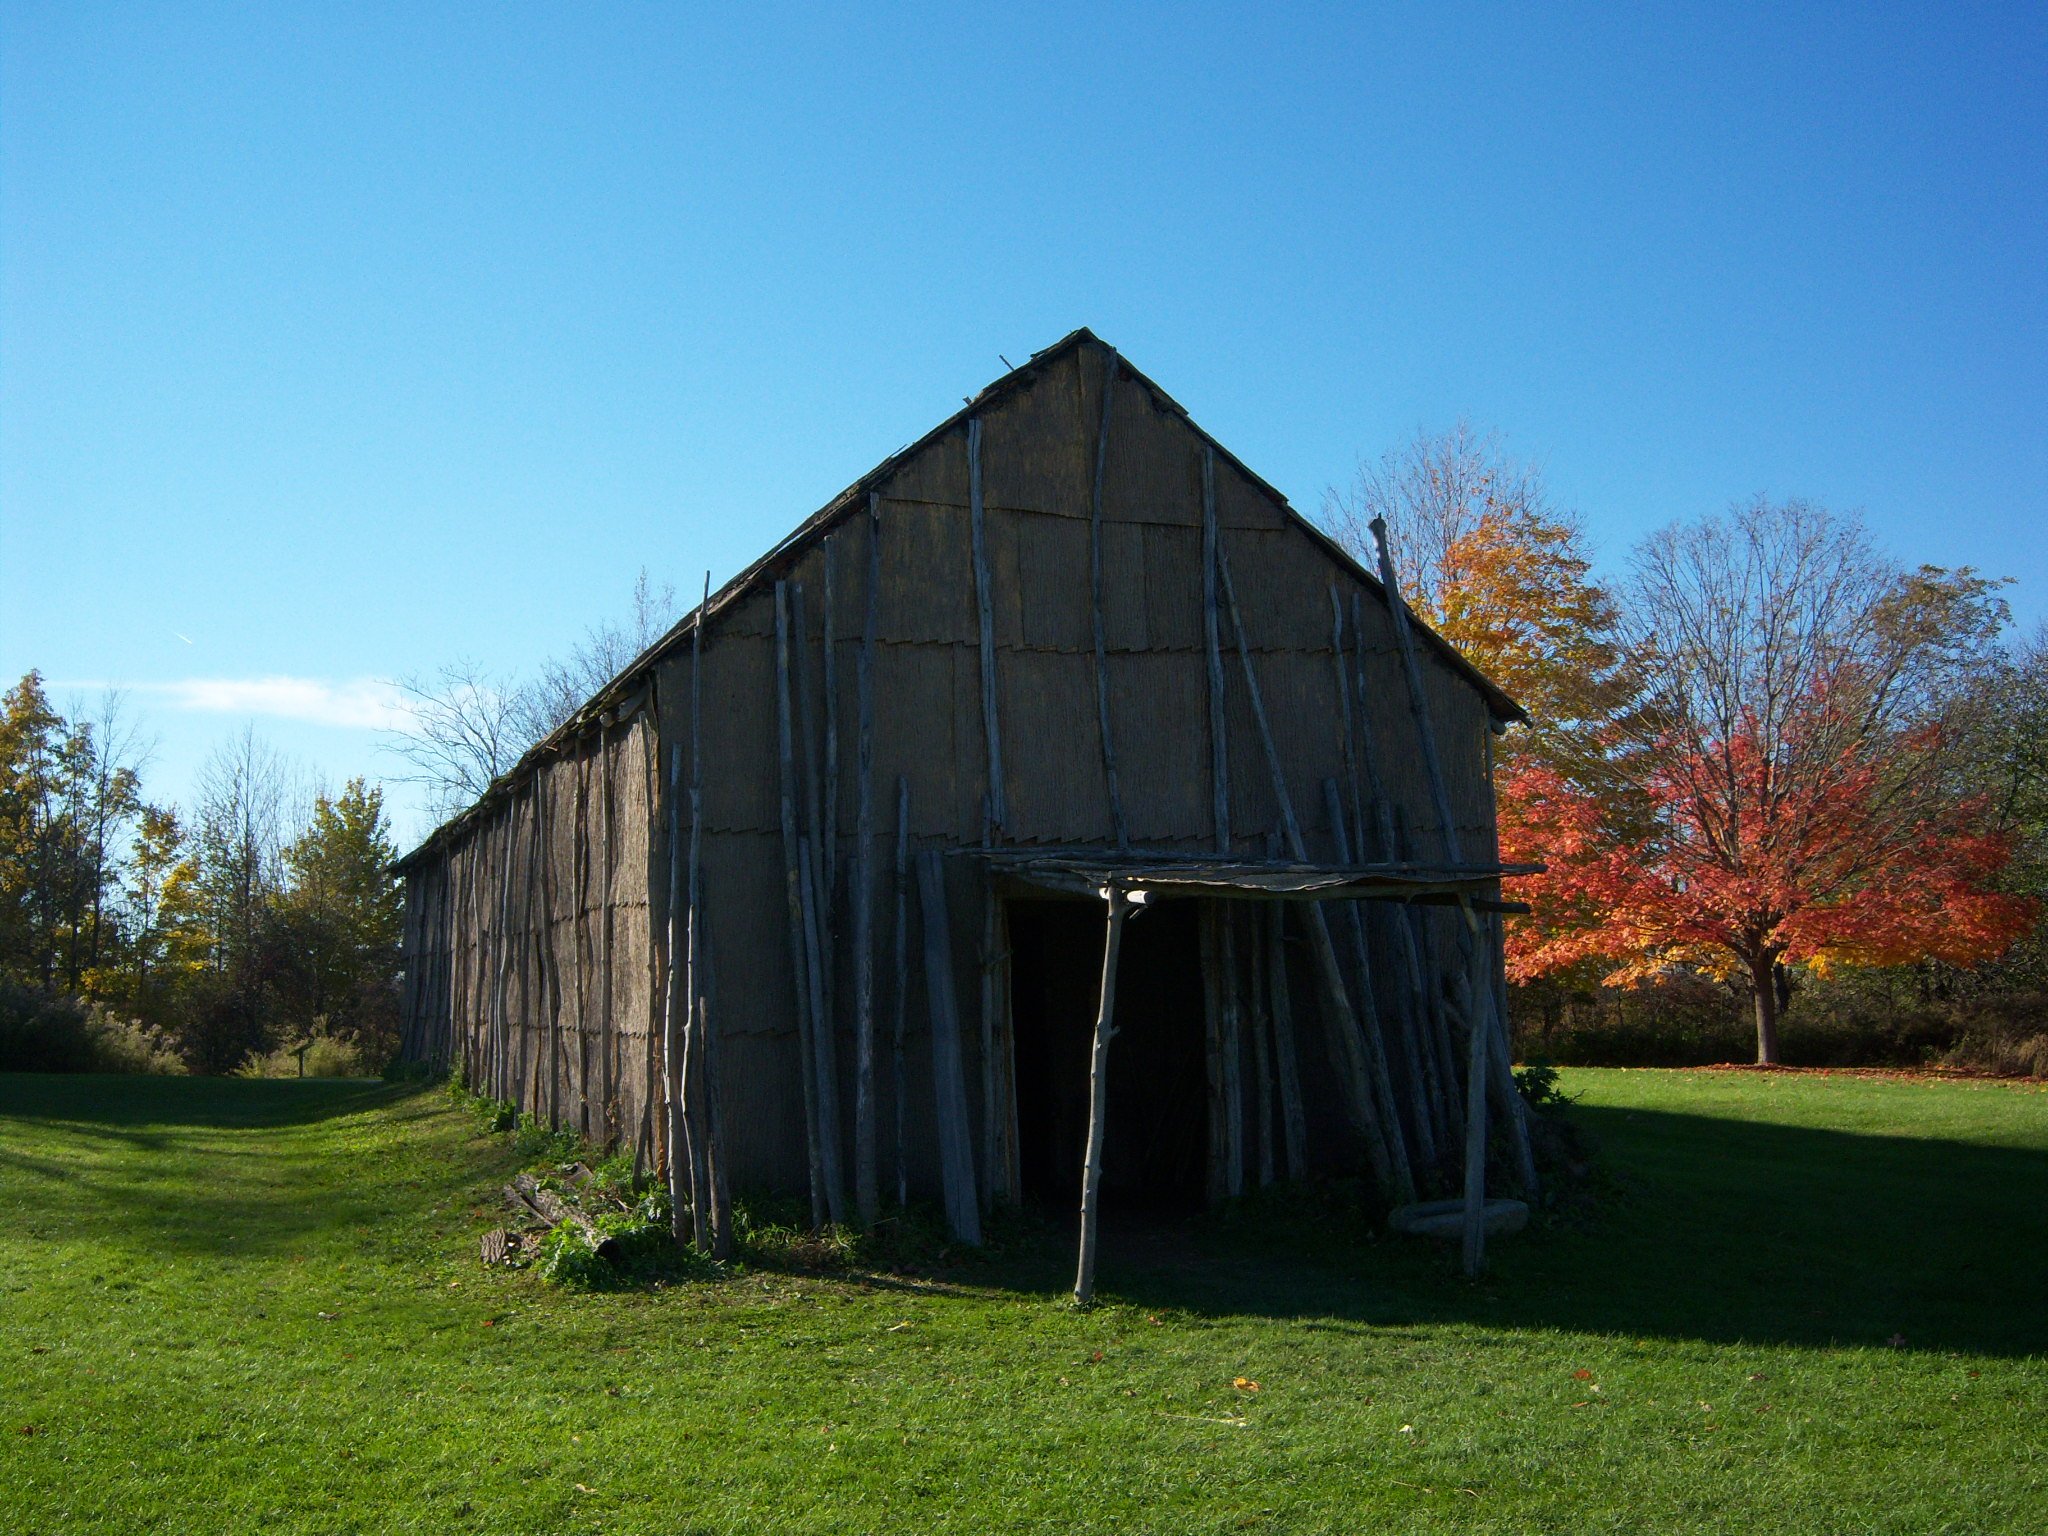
(1795, 764)
(1504, 575)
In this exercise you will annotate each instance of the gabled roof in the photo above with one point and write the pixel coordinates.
(632, 677)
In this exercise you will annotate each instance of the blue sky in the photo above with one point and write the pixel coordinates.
(336, 342)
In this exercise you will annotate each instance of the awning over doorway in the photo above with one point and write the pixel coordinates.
(1090, 871)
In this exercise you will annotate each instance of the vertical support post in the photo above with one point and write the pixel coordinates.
(956, 1151)
(710, 1167)
(685, 1202)
(998, 802)
(902, 994)
(1120, 904)
(1116, 797)
(1219, 743)
(867, 1196)
(794, 878)
(1475, 1143)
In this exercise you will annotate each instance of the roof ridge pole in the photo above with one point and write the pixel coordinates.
(1219, 747)
(998, 814)
(1383, 1143)
(1116, 797)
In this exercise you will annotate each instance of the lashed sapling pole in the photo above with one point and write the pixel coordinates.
(1120, 904)
(799, 956)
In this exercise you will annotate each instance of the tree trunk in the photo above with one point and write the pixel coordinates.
(1763, 992)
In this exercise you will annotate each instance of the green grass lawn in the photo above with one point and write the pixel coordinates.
(255, 1306)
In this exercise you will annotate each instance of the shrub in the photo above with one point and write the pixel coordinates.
(46, 1032)
(325, 1057)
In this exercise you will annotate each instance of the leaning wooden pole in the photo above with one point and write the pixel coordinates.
(799, 956)
(1383, 1144)
(867, 1197)
(1119, 904)
(1484, 1016)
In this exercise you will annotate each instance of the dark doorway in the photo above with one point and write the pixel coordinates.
(1155, 1152)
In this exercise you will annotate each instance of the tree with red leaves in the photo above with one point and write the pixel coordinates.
(1795, 772)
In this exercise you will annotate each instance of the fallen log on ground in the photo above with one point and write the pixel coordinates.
(527, 1193)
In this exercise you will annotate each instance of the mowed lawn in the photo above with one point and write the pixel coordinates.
(1806, 1304)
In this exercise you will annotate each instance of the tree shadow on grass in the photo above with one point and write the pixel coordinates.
(1719, 1230)
(113, 1105)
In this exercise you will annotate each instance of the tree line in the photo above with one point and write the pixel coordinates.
(1769, 762)
(134, 934)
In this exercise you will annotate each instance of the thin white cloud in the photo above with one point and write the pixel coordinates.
(363, 703)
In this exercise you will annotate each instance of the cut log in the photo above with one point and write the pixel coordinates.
(527, 1193)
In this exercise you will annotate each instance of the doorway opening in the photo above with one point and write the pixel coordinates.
(1155, 1151)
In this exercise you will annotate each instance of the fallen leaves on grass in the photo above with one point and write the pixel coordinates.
(1242, 1383)
(1582, 1374)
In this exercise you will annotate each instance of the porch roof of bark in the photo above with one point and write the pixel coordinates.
(1088, 872)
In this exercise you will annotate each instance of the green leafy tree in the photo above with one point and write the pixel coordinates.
(339, 915)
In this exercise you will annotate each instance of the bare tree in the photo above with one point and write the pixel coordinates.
(1434, 491)
(565, 684)
(469, 725)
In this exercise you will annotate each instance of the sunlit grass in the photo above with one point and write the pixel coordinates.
(1809, 1304)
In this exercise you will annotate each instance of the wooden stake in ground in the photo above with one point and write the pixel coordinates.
(1120, 905)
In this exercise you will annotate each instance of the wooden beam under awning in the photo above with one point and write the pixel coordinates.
(1086, 872)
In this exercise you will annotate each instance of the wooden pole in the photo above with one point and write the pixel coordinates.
(608, 1036)
(686, 1210)
(1260, 1019)
(902, 994)
(1293, 1122)
(956, 1151)
(710, 1168)
(1475, 1149)
(1216, 1173)
(1383, 1084)
(1219, 733)
(1384, 1148)
(1116, 798)
(799, 954)
(827, 1066)
(1485, 1015)
(1233, 1057)
(818, 898)
(998, 802)
(1119, 904)
(991, 1092)
(866, 1178)
(581, 904)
